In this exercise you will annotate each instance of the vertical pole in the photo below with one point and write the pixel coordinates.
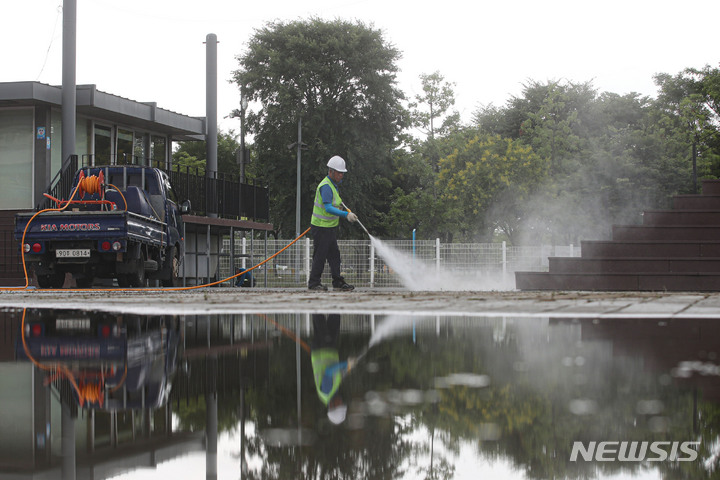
(504, 260)
(182, 266)
(67, 426)
(207, 252)
(252, 249)
(232, 255)
(307, 260)
(69, 93)
(297, 196)
(265, 255)
(372, 265)
(244, 252)
(297, 192)
(91, 431)
(211, 431)
(299, 381)
(437, 254)
(413, 245)
(211, 120)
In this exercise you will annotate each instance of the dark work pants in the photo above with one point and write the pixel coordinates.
(326, 331)
(325, 247)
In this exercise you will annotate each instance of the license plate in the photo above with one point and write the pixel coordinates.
(72, 324)
(73, 253)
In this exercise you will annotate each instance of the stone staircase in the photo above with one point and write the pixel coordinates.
(673, 250)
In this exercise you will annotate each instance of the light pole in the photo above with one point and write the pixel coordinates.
(243, 108)
(297, 194)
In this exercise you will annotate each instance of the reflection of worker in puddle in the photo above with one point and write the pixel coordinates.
(328, 370)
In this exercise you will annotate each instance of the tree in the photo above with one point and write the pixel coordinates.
(429, 109)
(434, 104)
(193, 154)
(611, 157)
(474, 177)
(691, 101)
(338, 78)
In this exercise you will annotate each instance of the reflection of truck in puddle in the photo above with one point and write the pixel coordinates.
(112, 361)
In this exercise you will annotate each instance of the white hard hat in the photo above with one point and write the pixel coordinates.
(337, 163)
(337, 414)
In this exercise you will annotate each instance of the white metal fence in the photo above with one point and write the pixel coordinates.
(362, 266)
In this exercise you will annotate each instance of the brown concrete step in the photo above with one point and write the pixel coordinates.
(696, 202)
(681, 217)
(711, 187)
(666, 232)
(646, 248)
(678, 282)
(633, 265)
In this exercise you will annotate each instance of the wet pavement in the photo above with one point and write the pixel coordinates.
(229, 300)
(290, 384)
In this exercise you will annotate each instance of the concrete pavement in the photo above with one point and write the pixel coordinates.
(377, 301)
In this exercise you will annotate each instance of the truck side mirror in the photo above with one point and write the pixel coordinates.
(185, 207)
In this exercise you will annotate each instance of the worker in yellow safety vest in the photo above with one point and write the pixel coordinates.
(324, 225)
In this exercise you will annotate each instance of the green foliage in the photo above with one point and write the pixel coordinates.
(559, 163)
(610, 156)
(484, 169)
(193, 154)
(338, 77)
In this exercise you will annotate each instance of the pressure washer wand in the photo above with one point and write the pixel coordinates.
(358, 221)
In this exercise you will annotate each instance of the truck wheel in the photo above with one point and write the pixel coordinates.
(51, 280)
(171, 277)
(137, 279)
(123, 281)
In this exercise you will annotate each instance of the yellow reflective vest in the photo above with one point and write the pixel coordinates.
(320, 216)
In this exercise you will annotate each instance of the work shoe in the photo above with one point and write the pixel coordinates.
(319, 287)
(345, 287)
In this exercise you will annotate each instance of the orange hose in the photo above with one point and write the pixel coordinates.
(120, 192)
(288, 333)
(58, 367)
(90, 185)
(22, 241)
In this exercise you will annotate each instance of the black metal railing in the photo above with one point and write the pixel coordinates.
(61, 185)
(220, 194)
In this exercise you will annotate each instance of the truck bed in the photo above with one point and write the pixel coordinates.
(90, 225)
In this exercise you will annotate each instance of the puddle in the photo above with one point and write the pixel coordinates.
(356, 396)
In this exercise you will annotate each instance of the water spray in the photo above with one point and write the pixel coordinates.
(358, 220)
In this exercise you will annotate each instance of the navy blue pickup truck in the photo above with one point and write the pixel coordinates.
(129, 229)
(122, 361)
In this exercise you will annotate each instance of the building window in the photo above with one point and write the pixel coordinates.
(139, 149)
(16, 158)
(124, 147)
(158, 152)
(103, 145)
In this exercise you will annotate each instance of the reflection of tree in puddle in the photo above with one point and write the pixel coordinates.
(518, 392)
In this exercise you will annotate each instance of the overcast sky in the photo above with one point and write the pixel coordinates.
(152, 50)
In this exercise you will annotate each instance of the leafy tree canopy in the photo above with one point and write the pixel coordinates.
(338, 79)
(193, 154)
